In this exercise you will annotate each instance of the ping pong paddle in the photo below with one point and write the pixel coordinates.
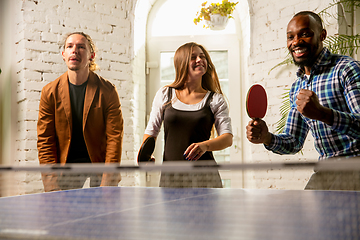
(146, 150)
(256, 102)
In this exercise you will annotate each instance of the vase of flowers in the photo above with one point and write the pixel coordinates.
(215, 15)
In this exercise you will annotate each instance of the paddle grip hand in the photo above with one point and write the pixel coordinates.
(308, 105)
(195, 151)
(257, 132)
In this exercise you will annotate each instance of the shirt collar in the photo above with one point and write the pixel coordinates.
(323, 59)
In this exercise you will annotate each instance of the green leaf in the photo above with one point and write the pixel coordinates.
(225, 8)
(284, 111)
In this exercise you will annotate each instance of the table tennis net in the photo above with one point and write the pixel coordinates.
(27, 212)
(343, 174)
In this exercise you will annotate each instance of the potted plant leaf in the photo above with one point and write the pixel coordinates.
(215, 15)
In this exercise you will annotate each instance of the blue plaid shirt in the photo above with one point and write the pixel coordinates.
(336, 81)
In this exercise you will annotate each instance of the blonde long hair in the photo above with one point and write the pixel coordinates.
(210, 80)
(92, 65)
(182, 58)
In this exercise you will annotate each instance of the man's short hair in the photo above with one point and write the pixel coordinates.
(312, 14)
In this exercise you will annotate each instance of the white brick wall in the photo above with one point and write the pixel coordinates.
(39, 58)
(119, 33)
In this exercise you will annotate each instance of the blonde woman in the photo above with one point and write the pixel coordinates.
(189, 108)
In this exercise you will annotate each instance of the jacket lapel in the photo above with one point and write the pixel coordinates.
(89, 95)
(65, 97)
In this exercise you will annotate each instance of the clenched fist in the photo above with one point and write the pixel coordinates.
(308, 105)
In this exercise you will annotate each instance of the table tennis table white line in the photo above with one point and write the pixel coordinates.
(124, 210)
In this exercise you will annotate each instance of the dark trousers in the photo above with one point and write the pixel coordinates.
(334, 180)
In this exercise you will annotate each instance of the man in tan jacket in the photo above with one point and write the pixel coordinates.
(80, 118)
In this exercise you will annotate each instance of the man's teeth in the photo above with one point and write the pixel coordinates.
(298, 51)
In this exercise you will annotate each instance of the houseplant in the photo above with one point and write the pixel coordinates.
(215, 15)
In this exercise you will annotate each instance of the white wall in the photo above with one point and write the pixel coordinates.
(113, 25)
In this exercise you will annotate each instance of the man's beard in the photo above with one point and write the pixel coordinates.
(306, 62)
(309, 61)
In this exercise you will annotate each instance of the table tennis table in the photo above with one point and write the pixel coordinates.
(188, 213)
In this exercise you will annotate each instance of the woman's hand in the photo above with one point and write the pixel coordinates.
(195, 151)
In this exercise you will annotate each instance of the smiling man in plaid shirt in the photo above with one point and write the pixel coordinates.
(325, 98)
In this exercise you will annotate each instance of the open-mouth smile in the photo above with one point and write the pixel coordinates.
(300, 52)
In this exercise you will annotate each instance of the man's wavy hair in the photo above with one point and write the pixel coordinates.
(92, 65)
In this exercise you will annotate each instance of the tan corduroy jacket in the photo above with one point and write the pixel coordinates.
(102, 124)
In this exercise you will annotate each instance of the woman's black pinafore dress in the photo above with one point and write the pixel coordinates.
(182, 128)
